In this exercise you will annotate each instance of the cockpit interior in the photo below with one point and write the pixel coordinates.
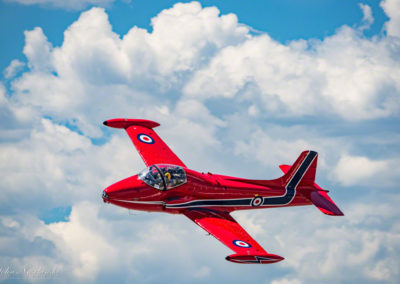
(163, 177)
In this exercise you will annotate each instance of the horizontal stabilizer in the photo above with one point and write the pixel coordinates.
(322, 201)
(247, 258)
(127, 122)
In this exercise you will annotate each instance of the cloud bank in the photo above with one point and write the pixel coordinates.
(228, 101)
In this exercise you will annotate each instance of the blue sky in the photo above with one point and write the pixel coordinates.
(238, 89)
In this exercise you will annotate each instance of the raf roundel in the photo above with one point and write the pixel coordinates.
(256, 201)
(241, 244)
(144, 138)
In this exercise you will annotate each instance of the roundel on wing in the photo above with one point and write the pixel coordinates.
(144, 138)
(256, 201)
(241, 244)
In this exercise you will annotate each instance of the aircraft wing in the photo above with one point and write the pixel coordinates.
(225, 229)
(150, 146)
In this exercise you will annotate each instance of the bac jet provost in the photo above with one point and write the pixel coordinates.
(207, 199)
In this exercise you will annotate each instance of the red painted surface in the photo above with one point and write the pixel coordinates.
(207, 199)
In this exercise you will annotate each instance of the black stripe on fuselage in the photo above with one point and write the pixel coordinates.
(292, 184)
(258, 259)
(267, 201)
(223, 202)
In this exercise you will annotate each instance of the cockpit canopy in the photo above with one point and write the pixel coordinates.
(163, 177)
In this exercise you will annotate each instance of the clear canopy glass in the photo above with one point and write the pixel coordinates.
(163, 177)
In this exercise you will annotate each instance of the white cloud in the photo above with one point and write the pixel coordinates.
(82, 242)
(92, 245)
(12, 69)
(368, 19)
(317, 78)
(60, 167)
(392, 10)
(38, 50)
(94, 62)
(271, 147)
(198, 33)
(352, 170)
(319, 248)
(286, 281)
(207, 56)
(382, 270)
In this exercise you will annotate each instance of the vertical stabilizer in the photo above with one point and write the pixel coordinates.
(302, 173)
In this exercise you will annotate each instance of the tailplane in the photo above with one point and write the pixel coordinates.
(324, 203)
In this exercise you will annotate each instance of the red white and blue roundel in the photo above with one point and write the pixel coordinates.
(241, 244)
(144, 138)
(257, 201)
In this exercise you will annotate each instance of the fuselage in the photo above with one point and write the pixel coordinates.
(195, 190)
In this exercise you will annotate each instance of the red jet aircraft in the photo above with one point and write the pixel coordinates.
(207, 199)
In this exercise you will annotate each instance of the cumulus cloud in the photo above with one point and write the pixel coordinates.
(214, 56)
(316, 77)
(80, 242)
(59, 167)
(361, 170)
(97, 244)
(272, 147)
(318, 247)
(368, 18)
(12, 69)
(94, 61)
(352, 170)
(37, 50)
(392, 10)
(212, 85)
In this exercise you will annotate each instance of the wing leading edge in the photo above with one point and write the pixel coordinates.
(150, 146)
(225, 229)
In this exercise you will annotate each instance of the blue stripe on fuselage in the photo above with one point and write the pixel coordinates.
(292, 184)
(226, 202)
(267, 201)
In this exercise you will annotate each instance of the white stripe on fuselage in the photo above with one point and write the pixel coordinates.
(140, 202)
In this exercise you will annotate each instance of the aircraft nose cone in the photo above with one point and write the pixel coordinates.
(122, 189)
(105, 196)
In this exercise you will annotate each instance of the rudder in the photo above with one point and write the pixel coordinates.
(302, 173)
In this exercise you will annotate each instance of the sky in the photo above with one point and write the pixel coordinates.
(239, 87)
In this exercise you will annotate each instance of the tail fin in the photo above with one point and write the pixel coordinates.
(302, 173)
